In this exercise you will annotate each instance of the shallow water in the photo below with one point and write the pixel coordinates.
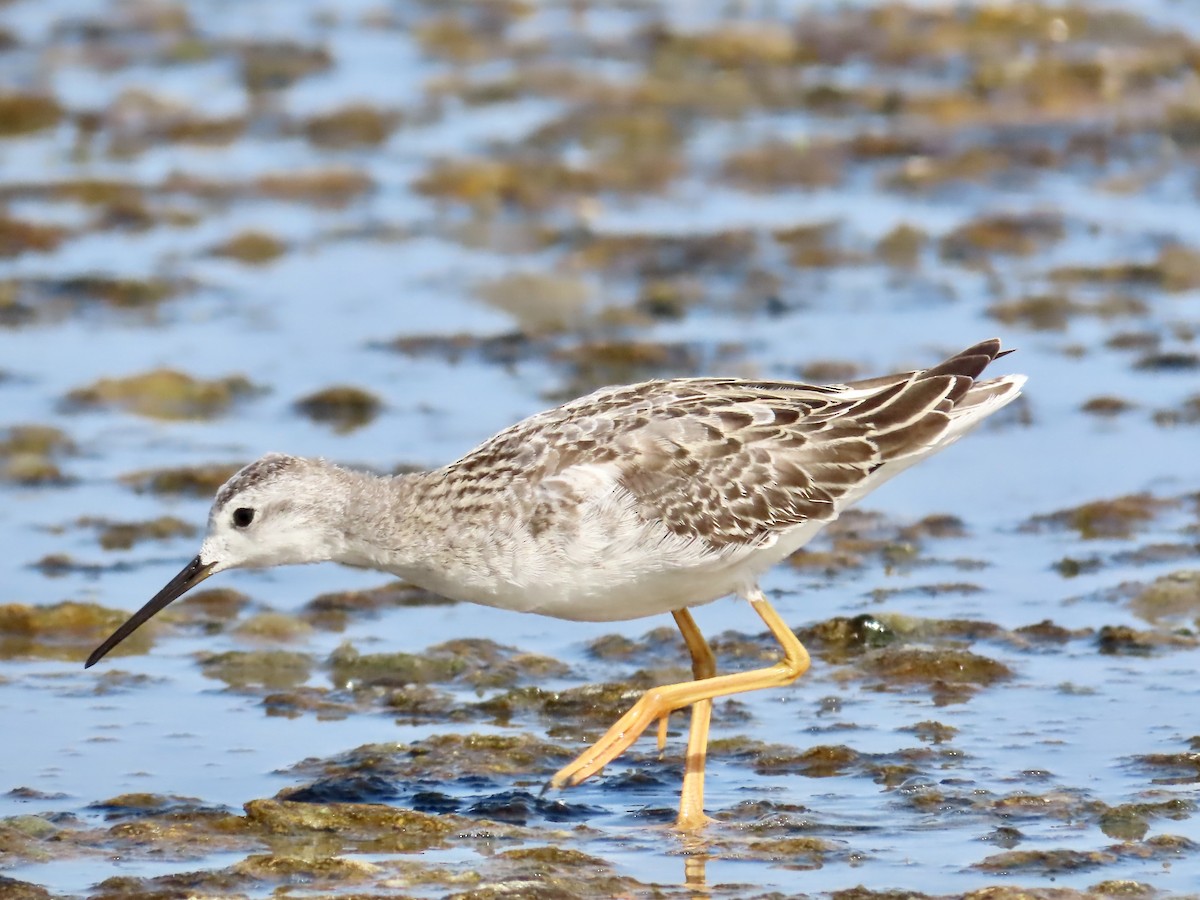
(1042, 765)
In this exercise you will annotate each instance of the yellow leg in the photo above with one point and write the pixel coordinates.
(691, 799)
(658, 702)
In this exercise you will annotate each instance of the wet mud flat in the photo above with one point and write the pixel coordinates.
(380, 232)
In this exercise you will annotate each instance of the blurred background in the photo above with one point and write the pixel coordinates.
(380, 231)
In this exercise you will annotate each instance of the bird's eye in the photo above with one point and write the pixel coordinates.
(243, 516)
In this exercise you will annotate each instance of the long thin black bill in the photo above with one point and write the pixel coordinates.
(193, 573)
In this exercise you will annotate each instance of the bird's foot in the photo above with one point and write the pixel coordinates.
(616, 740)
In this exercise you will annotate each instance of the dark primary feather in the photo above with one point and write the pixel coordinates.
(722, 460)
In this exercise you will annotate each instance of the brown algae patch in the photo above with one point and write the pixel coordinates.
(332, 872)
(1116, 518)
(123, 535)
(1107, 406)
(594, 364)
(858, 536)
(1131, 821)
(889, 770)
(1170, 597)
(1168, 361)
(402, 831)
(18, 236)
(356, 125)
(952, 674)
(666, 256)
(272, 628)
(27, 113)
(335, 610)
(254, 248)
(191, 481)
(270, 669)
(558, 871)
(1175, 269)
(931, 731)
(530, 184)
(1009, 235)
(164, 394)
(1046, 862)
(540, 303)
(66, 630)
(1121, 640)
(777, 164)
(815, 246)
(211, 608)
(29, 455)
(477, 662)
(275, 66)
(30, 300)
(1186, 413)
(568, 712)
(442, 758)
(138, 120)
(1054, 311)
(330, 187)
(1172, 768)
(143, 805)
(901, 248)
(343, 407)
(651, 646)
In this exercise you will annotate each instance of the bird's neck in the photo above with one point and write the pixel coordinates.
(391, 522)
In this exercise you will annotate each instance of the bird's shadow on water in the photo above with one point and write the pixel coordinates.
(470, 795)
(512, 802)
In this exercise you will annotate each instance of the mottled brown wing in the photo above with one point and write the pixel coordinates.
(725, 461)
(753, 459)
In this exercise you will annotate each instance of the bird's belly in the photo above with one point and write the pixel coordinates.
(604, 597)
(626, 570)
(603, 592)
(628, 583)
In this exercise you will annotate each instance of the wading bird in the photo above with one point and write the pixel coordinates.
(629, 502)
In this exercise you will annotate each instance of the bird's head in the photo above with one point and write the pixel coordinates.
(279, 510)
